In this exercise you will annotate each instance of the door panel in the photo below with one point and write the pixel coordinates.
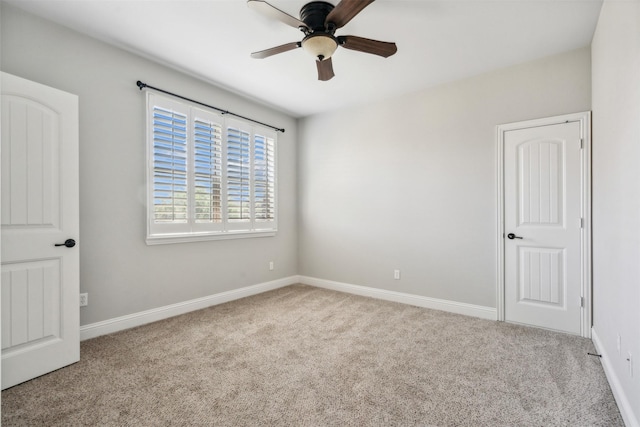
(542, 207)
(30, 164)
(540, 182)
(30, 303)
(541, 276)
(39, 281)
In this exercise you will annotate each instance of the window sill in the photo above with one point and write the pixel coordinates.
(165, 239)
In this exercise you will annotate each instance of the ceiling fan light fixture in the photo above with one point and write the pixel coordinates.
(321, 46)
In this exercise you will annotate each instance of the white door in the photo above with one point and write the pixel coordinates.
(39, 192)
(543, 226)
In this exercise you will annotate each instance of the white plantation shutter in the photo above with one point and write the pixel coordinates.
(264, 179)
(238, 175)
(209, 177)
(207, 166)
(169, 166)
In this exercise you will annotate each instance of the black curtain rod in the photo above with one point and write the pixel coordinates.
(143, 85)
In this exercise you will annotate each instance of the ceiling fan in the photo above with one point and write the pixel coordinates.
(319, 21)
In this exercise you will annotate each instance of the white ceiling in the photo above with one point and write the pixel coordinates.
(438, 41)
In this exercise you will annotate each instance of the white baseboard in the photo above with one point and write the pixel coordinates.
(482, 312)
(97, 329)
(93, 330)
(626, 410)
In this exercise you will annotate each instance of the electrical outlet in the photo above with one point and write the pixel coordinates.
(396, 274)
(271, 265)
(84, 299)
(618, 344)
(630, 360)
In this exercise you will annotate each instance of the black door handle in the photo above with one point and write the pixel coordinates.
(513, 236)
(68, 243)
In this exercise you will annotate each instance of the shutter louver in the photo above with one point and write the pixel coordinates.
(238, 175)
(264, 178)
(169, 166)
(207, 171)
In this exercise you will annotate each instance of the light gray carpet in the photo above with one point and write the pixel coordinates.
(304, 356)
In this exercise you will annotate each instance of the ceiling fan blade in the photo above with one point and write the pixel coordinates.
(275, 50)
(345, 11)
(361, 44)
(273, 12)
(325, 69)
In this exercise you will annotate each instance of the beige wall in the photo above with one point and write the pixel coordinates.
(410, 183)
(119, 271)
(616, 197)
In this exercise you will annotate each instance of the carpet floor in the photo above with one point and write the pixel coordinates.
(304, 356)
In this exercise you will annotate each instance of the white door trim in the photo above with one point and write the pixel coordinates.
(584, 119)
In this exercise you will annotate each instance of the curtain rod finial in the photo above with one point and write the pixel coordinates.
(141, 85)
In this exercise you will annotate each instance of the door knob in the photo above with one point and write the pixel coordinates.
(513, 236)
(68, 243)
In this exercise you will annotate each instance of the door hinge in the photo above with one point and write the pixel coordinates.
(581, 222)
(581, 143)
(581, 301)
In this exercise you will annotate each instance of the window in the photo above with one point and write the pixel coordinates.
(209, 177)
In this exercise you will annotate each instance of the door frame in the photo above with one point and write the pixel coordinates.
(584, 119)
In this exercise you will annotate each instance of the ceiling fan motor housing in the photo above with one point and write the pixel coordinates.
(314, 14)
